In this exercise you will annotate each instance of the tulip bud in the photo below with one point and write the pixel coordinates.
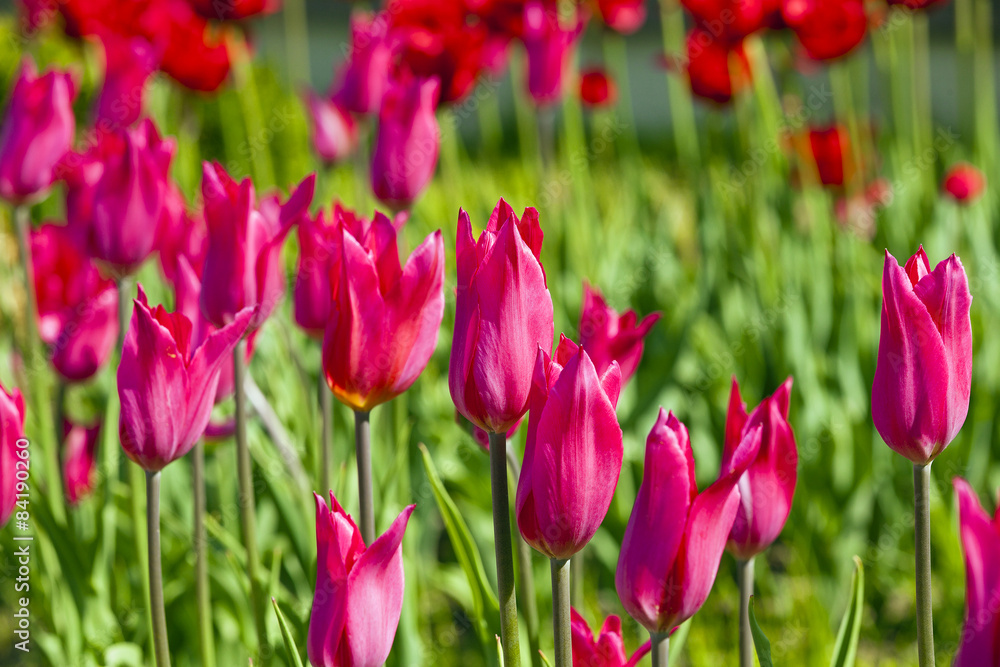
(608, 336)
(980, 639)
(830, 150)
(11, 430)
(608, 650)
(623, 16)
(334, 132)
(364, 77)
(407, 142)
(923, 377)
(827, 29)
(38, 128)
(712, 63)
(597, 89)
(128, 64)
(166, 384)
(384, 323)
(503, 315)
(359, 590)
(549, 46)
(664, 581)
(79, 459)
(767, 487)
(964, 183)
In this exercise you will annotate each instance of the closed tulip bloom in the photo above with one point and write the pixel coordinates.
(767, 487)
(359, 590)
(38, 129)
(334, 132)
(166, 384)
(503, 315)
(664, 581)
(385, 319)
(623, 16)
(923, 377)
(827, 29)
(964, 183)
(597, 89)
(711, 64)
(607, 650)
(980, 640)
(79, 459)
(364, 78)
(85, 344)
(11, 430)
(549, 46)
(407, 142)
(128, 64)
(830, 151)
(242, 264)
(608, 336)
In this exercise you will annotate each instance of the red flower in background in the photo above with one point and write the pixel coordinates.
(827, 29)
(710, 65)
(624, 16)
(79, 459)
(730, 20)
(233, 10)
(597, 89)
(830, 148)
(364, 77)
(194, 53)
(550, 45)
(965, 183)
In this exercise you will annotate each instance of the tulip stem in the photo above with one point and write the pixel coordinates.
(326, 439)
(156, 610)
(560, 612)
(746, 590)
(247, 502)
(363, 450)
(526, 574)
(203, 591)
(504, 553)
(922, 528)
(660, 650)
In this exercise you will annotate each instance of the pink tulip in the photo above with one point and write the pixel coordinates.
(980, 640)
(79, 459)
(608, 650)
(364, 77)
(573, 455)
(334, 132)
(767, 487)
(242, 264)
(550, 47)
(385, 318)
(407, 142)
(608, 336)
(129, 62)
(359, 590)
(166, 384)
(503, 315)
(38, 128)
(664, 581)
(181, 233)
(920, 395)
(11, 430)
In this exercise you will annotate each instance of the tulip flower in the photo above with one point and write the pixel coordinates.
(364, 78)
(319, 248)
(711, 63)
(830, 151)
(384, 322)
(663, 582)
(181, 233)
(79, 459)
(503, 314)
(964, 183)
(549, 45)
(193, 53)
(607, 650)
(608, 336)
(728, 20)
(334, 132)
(980, 639)
(573, 455)
(827, 29)
(233, 10)
(38, 128)
(407, 142)
(166, 383)
(597, 89)
(359, 590)
(242, 267)
(923, 377)
(128, 64)
(11, 430)
(623, 16)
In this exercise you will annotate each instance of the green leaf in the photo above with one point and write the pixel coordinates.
(545, 659)
(293, 650)
(499, 651)
(677, 642)
(486, 609)
(760, 641)
(846, 648)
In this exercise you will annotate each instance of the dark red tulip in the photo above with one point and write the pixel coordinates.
(965, 183)
(233, 10)
(612, 337)
(193, 53)
(711, 62)
(128, 64)
(597, 89)
(363, 79)
(827, 29)
(79, 459)
(830, 151)
(624, 16)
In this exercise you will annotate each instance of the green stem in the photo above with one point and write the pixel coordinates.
(326, 439)
(296, 40)
(504, 553)
(526, 574)
(681, 104)
(246, 91)
(366, 496)
(922, 528)
(577, 569)
(203, 590)
(560, 612)
(157, 613)
(660, 651)
(746, 590)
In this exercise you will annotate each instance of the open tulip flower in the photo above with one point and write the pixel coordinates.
(166, 383)
(359, 590)
(609, 336)
(11, 430)
(923, 377)
(663, 581)
(980, 638)
(607, 650)
(573, 454)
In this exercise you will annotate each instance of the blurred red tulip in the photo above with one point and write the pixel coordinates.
(128, 64)
(503, 314)
(711, 62)
(597, 89)
(923, 377)
(363, 79)
(608, 336)
(965, 183)
(11, 430)
(729, 20)
(624, 16)
(549, 45)
(980, 638)
(234, 10)
(334, 132)
(830, 147)
(193, 53)
(359, 590)
(608, 650)
(38, 128)
(827, 29)
(79, 459)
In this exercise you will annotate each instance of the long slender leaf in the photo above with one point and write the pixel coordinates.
(846, 649)
(293, 650)
(760, 641)
(677, 642)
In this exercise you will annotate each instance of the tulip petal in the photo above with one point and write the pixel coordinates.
(980, 639)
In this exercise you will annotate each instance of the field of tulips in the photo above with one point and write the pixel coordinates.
(480, 356)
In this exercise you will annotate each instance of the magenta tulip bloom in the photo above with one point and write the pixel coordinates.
(609, 336)
(182, 233)
(503, 315)
(242, 264)
(364, 77)
(166, 383)
(359, 590)
(385, 318)
(549, 46)
(11, 430)
(334, 132)
(79, 459)
(573, 455)
(923, 377)
(128, 64)
(407, 142)
(662, 582)
(767, 487)
(38, 128)
(980, 640)
(607, 650)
